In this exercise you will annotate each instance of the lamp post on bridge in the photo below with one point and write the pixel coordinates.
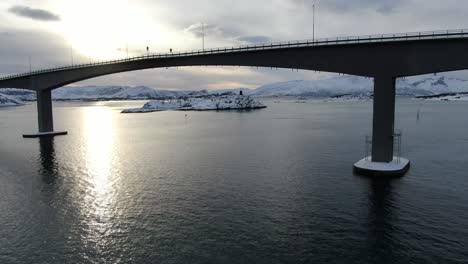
(71, 54)
(305, 6)
(313, 22)
(203, 36)
(126, 48)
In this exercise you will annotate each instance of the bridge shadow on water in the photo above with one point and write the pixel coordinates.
(383, 245)
(47, 160)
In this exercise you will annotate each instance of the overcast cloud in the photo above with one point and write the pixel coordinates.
(227, 23)
(33, 13)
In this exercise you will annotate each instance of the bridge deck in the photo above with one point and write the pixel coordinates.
(411, 36)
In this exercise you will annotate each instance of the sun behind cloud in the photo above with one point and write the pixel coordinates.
(107, 29)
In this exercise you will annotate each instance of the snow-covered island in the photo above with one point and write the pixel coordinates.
(211, 102)
(446, 97)
(6, 100)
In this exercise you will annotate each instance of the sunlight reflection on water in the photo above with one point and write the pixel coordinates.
(269, 186)
(99, 201)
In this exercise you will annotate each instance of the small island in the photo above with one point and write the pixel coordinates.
(463, 96)
(225, 101)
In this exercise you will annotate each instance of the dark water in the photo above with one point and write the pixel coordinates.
(268, 186)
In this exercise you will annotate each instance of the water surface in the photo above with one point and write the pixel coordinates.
(267, 186)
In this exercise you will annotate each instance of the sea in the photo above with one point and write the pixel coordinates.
(273, 185)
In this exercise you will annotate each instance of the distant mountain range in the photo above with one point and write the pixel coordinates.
(6, 100)
(337, 86)
(354, 85)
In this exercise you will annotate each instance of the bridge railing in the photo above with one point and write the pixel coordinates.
(346, 40)
(397, 141)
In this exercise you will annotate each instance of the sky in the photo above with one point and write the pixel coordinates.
(49, 33)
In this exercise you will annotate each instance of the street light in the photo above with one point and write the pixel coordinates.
(313, 22)
(71, 54)
(126, 48)
(203, 36)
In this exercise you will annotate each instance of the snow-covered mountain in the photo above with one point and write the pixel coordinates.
(114, 93)
(438, 85)
(110, 92)
(318, 88)
(19, 94)
(6, 100)
(336, 86)
(96, 93)
(360, 85)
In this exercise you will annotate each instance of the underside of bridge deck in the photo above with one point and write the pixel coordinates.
(382, 60)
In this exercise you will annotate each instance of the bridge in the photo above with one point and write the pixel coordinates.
(381, 57)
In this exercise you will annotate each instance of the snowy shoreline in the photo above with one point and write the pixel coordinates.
(342, 88)
(445, 97)
(225, 102)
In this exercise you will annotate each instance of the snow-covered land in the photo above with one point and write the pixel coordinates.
(452, 98)
(446, 97)
(315, 88)
(354, 85)
(211, 102)
(350, 97)
(126, 93)
(95, 93)
(337, 88)
(6, 100)
(19, 94)
(110, 93)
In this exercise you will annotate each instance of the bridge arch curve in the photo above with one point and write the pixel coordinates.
(395, 55)
(383, 58)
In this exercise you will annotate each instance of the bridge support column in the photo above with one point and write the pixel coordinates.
(382, 161)
(44, 116)
(383, 119)
(44, 111)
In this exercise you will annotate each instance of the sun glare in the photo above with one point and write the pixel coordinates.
(97, 206)
(107, 29)
(98, 123)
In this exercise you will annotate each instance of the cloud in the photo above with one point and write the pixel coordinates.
(49, 50)
(336, 6)
(226, 33)
(255, 39)
(386, 9)
(32, 13)
(227, 23)
(198, 29)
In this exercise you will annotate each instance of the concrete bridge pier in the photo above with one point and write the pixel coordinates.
(44, 111)
(45, 116)
(383, 119)
(382, 161)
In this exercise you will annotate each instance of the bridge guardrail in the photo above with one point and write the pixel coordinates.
(442, 34)
(397, 141)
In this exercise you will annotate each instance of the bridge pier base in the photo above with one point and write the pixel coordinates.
(45, 116)
(382, 161)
